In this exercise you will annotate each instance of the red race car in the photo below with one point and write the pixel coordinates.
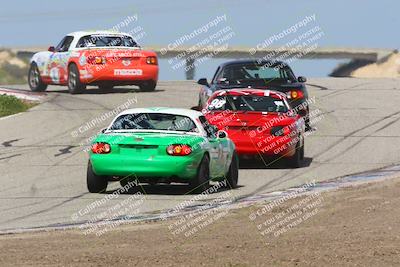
(101, 58)
(259, 122)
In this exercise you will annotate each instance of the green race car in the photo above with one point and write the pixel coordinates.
(161, 145)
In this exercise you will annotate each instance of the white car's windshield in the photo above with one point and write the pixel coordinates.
(106, 40)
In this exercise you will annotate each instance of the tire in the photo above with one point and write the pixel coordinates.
(307, 121)
(148, 86)
(297, 159)
(74, 82)
(34, 80)
(95, 183)
(302, 152)
(199, 104)
(202, 180)
(233, 173)
(106, 88)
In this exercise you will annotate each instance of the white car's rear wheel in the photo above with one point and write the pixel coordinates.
(74, 82)
(148, 86)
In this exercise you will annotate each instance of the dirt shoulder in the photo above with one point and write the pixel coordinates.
(356, 226)
(389, 68)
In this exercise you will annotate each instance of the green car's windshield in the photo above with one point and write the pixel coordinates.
(248, 103)
(154, 121)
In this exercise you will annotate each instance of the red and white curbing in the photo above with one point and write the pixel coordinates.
(22, 94)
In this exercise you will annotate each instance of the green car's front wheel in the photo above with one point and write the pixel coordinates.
(233, 172)
(95, 183)
(202, 180)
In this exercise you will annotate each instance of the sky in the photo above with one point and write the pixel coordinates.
(370, 24)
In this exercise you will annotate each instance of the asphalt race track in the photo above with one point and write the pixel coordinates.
(43, 167)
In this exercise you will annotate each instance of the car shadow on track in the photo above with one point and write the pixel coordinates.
(168, 189)
(116, 90)
(257, 163)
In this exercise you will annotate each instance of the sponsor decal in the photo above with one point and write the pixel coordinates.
(87, 76)
(126, 62)
(82, 60)
(75, 54)
(55, 75)
(129, 72)
(123, 54)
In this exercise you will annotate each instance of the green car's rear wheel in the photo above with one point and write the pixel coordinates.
(202, 180)
(233, 172)
(95, 183)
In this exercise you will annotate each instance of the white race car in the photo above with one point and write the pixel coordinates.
(101, 58)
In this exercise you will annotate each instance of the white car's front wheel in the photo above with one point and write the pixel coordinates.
(35, 81)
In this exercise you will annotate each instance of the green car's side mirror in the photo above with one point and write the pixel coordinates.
(222, 134)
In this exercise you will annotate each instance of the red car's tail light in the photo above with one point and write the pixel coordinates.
(101, 148)
(151, 60)
(96, 60)
(280, 130)
(295, 94)
(179, 150)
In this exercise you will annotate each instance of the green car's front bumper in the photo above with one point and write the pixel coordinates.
(157, 166)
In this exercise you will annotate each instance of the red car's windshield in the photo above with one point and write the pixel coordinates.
(248, 103)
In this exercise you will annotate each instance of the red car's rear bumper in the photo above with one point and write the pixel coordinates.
(283, 146)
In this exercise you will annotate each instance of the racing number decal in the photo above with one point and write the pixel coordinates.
(217, 103)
